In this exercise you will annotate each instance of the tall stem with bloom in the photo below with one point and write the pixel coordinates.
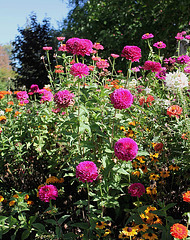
(178, 48)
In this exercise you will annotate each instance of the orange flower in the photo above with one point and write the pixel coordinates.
(10, 103)
(164, 174)
(17, 113)
(8, 110)
(1, 198)
(30, 202)
(179, 231)
(186, 196)
(3, 119)
(174, 110)
(11, 203)
(1, 96)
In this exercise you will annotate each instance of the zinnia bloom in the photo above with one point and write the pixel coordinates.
(47, 193)
(176, 80)
(64, 98)
(179, 36)
(98, 46)
(47, 48)
(102, 64)
(183, 59)
(187, 37)
(179, 231)
(60, 38)
(79, 46)
(121, 98)
(186, 196)
(87, 171)
(34, 88)
(159, 45)
(79, 69)
(187, 69)
(47, 95)
(153, 66)
(147, 36)
(126, 149)
(136, 190)
(62, 48)
(22, 95)
(174, 110)
(132, 53)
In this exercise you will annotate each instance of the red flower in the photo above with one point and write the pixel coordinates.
(132, 53)
(149, 99)
(153, 66)
(174, 110)
(186, 196)
(158, 146)
(179, 231)
(136, 189)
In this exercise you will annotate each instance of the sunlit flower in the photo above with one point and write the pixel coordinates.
(176, 80)
(60, 38)
(174, 110)
(159, 45)
(64, 99)
(86, 171)
(98, 46)
(183, 59)
(3, 119)
(62, 48)
(10, 103)
(8, 110)
(121, 98)
(150, 236)
(47, 193)
(46, 95)
(114, 55)
(187, 69)
(147, 36)
(136, 173)
(102, 64)
(1, 198)
(129, 231)
(186, 196)
(47, 48)
(132, 53)
(101, 225)
(141, 227)
(151, 191)
(136, 190)
(12, 203)
(107, 232)
(140, 159)
(79, 69)
(79, 46)
(126, 149)
(154, 176)
(179, 231)
(30, 202)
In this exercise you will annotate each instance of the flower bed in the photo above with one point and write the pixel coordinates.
(97, 154)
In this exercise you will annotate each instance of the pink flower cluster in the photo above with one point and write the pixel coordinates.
(132, 53)
(126, 149)
(79, 69)
(46, 95)
(187, 69)
(147, 36)
(153, 66)
(183, 59)
(64, 98)
(22, 95)
(79, 46)
(136, 189)
(87, 171)
(159, 45)
(102, 64)
(161, 74)
(47, 193)
(121, 98)
(98, 46)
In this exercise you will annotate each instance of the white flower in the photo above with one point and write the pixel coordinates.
(2, 113)
(133, 83)
(176, 80)
(147, 90)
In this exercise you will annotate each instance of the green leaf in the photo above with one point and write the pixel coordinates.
(51, 221)
(39, 227)
(63, 218)
(25, 234)
(81, 225)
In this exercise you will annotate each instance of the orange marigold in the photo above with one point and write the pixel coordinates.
(186, 196)
(179, 231)
(174, 110)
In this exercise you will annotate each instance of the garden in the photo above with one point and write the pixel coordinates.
(100, 152)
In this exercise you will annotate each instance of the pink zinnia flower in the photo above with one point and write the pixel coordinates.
(87, 171)
(96, 58)
(64, 98)
(153, 66)
(114, 55)
(98, 46)
(187, 37)
(79, 46)
(103, 63)
(34, 88)
(159, 45)
(187, 69)
(47, 193)
(170, 61)
(147, 36)
(161, 74)
(60, 38)
(135, 69)
(183, 59)
(126, 149)
(22, 95)
(47, 48)
(132, 53)
(121, 98)
(79, 69)
(62, 48)
(179, 36)
(46, 95)
(136, 189)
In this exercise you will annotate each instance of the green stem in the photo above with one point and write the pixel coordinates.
(128, 73)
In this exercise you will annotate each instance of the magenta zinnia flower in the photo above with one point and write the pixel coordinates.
(126, 149)
(179, 36)
(121, 98)
(136, 189)
(132, 53)
(46, 95)
(34, 88)
(183, 59)
(153, 66)
(64, 98)
(87, 171)
(102, 64)
(47, 48)
(98, 46)
(22, 95)
(47, 193)
(79, 69)
(147, 36)
(79, 46)
(159, 45)
(187, 69)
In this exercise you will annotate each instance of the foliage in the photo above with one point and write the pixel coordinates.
(42, 144)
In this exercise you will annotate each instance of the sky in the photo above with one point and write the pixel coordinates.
(14, 14)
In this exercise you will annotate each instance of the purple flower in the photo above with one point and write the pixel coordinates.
(121, 98)
(87, 171)
(64, 98)
(79, 46)
(161, 74)
(132, 53)
(126, 149)
(47, 193)
(79, 69)
(136, 190)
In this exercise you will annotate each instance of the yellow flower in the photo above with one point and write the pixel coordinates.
(122, 128)
(3, 119)
(107, 232)
(26, 197)
(173, 167)
(154, 176)
(132, 123)
(101, 225)
(129, 231)
(137, 173)
(11, 203)
(140, 159)
(151, 191)
(141, 227)
(8, 110)
(150, 236)
(1, 198)
(130, 133)
(149, 209)
(164, 174)
(30, 202)
(15, 195)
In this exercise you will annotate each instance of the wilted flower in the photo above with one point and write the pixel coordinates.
(132, 53)
(87, 171)
(121, 98)
(47, 193)
(179, 231)
(159, 45)
(64, 98)
(79, 69)
(176, 80)
(126, 149)
(147, 36)
(136, 189)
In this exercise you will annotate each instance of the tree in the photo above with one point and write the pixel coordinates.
(118, 23)
(28, 50)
